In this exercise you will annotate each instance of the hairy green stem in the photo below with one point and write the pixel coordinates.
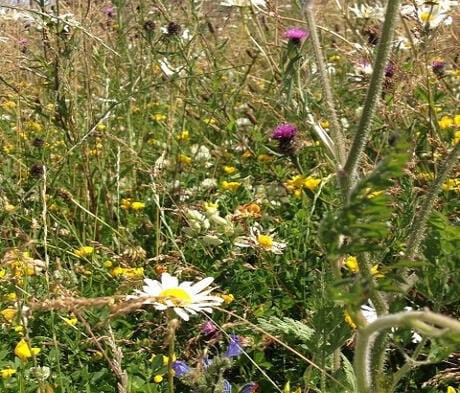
(367, 336)
(336, 130)
(173, 324)
(417, 232)
(373, 93)
(422, 214)
(365, 268)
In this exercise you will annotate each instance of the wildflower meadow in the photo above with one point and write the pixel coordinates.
(229, 196)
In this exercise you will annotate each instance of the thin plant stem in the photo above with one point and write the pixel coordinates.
(366, 338)
(422, 215)
(336, 130)
(173, 324)
(373, 94)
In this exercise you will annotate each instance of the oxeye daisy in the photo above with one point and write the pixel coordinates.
(184, 298)
(260, 240)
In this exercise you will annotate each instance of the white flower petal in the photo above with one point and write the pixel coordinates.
(181, 313)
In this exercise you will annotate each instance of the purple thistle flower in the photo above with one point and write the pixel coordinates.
(234, 347)
(22, 43)
(227, 386)
(438, 67)
(208, 328)
(250, 387)
(296, 35)
(180, 368)
(390, 70)
(109, 11)
(284, 132)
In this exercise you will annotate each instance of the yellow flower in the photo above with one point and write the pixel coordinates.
(352, 264)
(324, 123)
(2, 273)
(230, 185)
(11, 296)
(349, 320)
(9, 313)
(137, 205)
(157, 379)
(334, 58)
(127, 272)
(72, 321)
(101, 127)
(456, 138)
(311, 183)
(159, 117)
(229, 170)
(209, 121)
(108, 263)
(451, 185)
(8, 105)
(33, 126)
(183, 136)
(125, 203)
(24, 351)
(183, 159)
(450, 389)
(7, 148)
(84, 251)
(228, 298)
(247, 154)
(445, 122)
(457, 120)
(7, 372)
(166, 360)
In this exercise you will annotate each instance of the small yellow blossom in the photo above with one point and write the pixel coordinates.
(183, 136)
(127, 272)
(33, 126)
(159, 117)
(72, 321)
(158, 379)
(9, 208)
(249, 210)
(209, 121)
(445, 122)
(457, 120)
(7, 372)
(166, 360)
(349, 320)
(311, 183)
(230, 185)
(108, 263)
(125, 203)
(24, 351)
(19, 329)
(84, 251)
(101, 127)
(9, 105)
(451, 185)
(229, 170)
(426, 17)
(247, 154)
(137, 205)
(183, 159)
(297, 183)
(450, 389)
(228, 298)
(9, 314)
(324, 123)
(352, 264)
(11, 296)
(8, 148)
(456, 138)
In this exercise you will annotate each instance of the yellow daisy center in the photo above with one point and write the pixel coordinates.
(426, 17)
(177, 295)
(265, 241)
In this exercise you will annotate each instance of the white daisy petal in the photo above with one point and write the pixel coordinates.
(180, 311)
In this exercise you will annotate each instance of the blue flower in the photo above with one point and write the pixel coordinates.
(227, 386)
(234, 347)
(180, 368)
(250, 387)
